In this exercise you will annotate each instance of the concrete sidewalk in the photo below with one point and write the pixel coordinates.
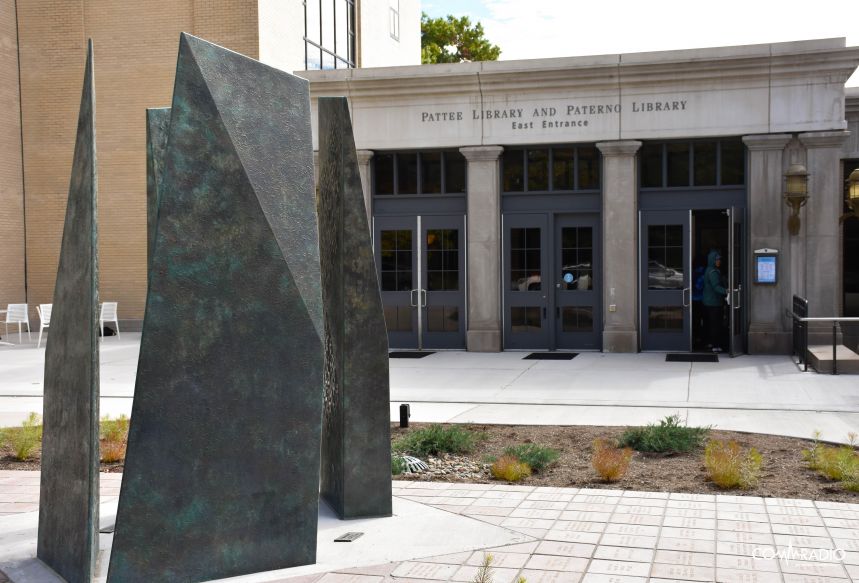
(766, 394)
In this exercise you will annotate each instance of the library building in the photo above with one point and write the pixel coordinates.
(576, 203)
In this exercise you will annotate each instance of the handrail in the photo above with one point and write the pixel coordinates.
(800, 332)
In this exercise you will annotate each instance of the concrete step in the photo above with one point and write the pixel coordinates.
(820, 358)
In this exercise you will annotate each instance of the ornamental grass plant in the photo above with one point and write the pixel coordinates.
(509, 469)
(437, 439)
(25, 439)
(670, 435)
(610, 462)
(728, 466)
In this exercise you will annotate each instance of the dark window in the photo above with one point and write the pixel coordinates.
(442, 319)
(665, 257)
(396, 259)
(733, 162)
(577, 319)
(398, 318)
(384, 173)
(651, 166)
(538, 169)
(692, 164)
(563, 168)
(525, 266)
(525, 319)
(665, 318)
(407, 173)
(851, 260)
(589, 168)
(705, 163)
(442, 259)
(514, 170)
(454, 172)
(329, 34)
(431, 173)
(677, 154)
(577, 256)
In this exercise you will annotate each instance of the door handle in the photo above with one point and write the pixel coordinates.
(685, 291)
(739, 292)
(423, 293)
(412, 302)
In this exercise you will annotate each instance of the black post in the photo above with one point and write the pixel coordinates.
(834, 343)
(405, 413)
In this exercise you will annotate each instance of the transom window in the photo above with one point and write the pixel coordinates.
(329, 34)
(555, 169)
(433, 172)
(693, 164)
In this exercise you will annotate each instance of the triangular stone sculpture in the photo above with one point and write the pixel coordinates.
(157, 123)
(356, 434)
(222, 468)
(68, 498)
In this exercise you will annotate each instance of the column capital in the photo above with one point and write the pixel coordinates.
(619, 147)
(481, 153)
(364, 156)
(766, 141)
(824, 139)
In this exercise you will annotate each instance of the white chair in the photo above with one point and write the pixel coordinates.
(44, 320)
(18, 314)
(108, 314)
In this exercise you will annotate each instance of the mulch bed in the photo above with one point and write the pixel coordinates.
(784, 473)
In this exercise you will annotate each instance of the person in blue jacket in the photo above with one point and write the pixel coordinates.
(714, 299)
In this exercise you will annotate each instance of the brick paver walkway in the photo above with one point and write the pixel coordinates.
(19, 490)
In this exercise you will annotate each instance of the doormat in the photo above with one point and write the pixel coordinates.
(691, 357)
(409, 354)
(551, 356)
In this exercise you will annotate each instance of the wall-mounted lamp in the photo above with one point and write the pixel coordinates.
(852, 196)
(795, 194)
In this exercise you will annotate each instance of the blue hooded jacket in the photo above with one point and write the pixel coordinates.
(714, 290)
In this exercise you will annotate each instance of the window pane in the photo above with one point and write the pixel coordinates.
(651, 166)
(705, 163)
(431, 173)
(328, 61)
(576, 259)
(327, 24)
(314, 58)
(384, 173)
(589, 168)
(538, 169)
(577, 319)
(733, 162)
(454, 172)
(407, 173)
(665, 318)
(563, 160)
(514, 171)
(342, 28)
(525, 259)
(665, 257)
(678, 164)
(396, 253)
(525, 319)
(311, 30)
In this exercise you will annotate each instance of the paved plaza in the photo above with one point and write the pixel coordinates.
(766, 394)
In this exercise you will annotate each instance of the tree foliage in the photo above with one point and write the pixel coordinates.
(439, 35)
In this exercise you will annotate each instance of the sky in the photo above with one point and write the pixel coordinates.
(527, 29)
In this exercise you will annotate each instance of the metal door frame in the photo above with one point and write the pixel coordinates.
(736, 304)
(510, 299)
(442, 340)
(592, 297)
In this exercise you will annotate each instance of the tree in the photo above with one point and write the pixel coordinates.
(439, 35)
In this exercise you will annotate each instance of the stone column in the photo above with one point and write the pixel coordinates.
(364, 157)
(821, 224)
(769, 331)
(620, 246)
(484, 248)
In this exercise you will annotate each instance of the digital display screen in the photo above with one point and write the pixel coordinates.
(765, 269)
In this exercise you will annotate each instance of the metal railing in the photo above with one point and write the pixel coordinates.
(801, 323)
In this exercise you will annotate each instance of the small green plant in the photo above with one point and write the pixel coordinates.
(839, 463)
(669, 436)
(398, 465)
(539, 457)
(610, 462)
(484, 571)
(24, 440)
(730, 467)
(510, 469)
(113, 438)
(436, 439)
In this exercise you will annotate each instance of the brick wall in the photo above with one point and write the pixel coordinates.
(11, 177)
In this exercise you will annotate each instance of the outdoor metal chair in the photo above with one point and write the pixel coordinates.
(108, 314)
(44, 320)
(18, 314)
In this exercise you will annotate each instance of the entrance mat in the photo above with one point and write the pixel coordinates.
(551, 356)
(409, 354)
(691, 357)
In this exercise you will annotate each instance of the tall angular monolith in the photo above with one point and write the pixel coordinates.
(68, 498)
(222, 468)
(356, 430)
(157, 123)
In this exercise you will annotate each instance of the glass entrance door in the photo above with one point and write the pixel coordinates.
(526, 294)
(736, 316)
(665, 280)
(421, 261)
(576, 273)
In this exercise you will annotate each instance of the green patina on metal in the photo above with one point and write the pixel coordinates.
(356, 442)
(222, 468)
(68, 498)
(157, 124)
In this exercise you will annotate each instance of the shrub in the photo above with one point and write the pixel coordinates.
(668, 436)
(610, 462)
(398, 465)
(538, 457)
(113, 437)
(730, 467)
(839, 463)
(23, 440)
(436, 439)
(510, 469)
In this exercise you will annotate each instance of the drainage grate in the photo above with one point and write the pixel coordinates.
(691, 357)
(108, 529)
(551, 356)
(409, 354)
(348, 537)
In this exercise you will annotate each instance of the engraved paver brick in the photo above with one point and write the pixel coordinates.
(741, 526)
(687, 544)
(557, 563)
(816, 568)
(695, 523)
(543, 504)
(694, 533)
(633, 529)
(604, 578)
(350, 578)
(627, 509)
(798, 529)
(627, 568)
(733, 536)
(416, 570)
(499, 575)
(550, 496)
(487, 511)
(684, 558)
(500, 559)
(451, 559)
(591, 506)
(535, 513)
(628, 540)
(624, 554)
(684, 572)
(583, 526)
(740, 576)
(565, 549)
(751, 562)
(573, 536)
(748, 516)
(541, 576)
(644, 519)
(585, 516)
(690, 512)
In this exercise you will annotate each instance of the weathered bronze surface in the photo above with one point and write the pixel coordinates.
(222, 469)
(68, 498)
(157, 123)
(356, 443)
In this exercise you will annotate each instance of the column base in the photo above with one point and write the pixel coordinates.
(770, 342)
(483, 340)
(620, 341)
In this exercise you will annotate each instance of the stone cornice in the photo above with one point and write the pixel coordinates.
(824, 139)
(364, 156)
(482, 153)
(619, 148)
(766, 141)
